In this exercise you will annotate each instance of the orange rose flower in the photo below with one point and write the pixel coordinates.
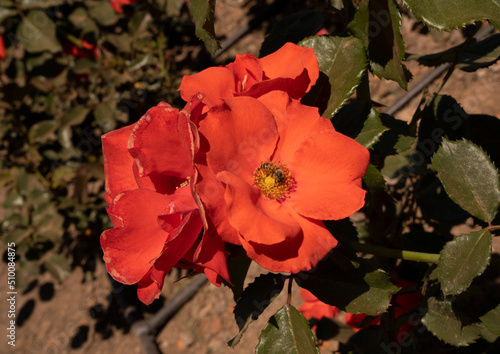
(156, 214)
(291, 69)
(274, 169)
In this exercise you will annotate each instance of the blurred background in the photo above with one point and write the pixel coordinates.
(71, 71)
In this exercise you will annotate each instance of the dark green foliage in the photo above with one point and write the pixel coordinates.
(287, 332)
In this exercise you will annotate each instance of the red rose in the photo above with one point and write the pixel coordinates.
(156, 214)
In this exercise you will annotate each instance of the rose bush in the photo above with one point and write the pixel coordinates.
(157, 217)
(274, 168)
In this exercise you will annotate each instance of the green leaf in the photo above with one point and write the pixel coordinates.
(287, 332)
(436, 204)
(105, 117)
(17, 236)
(81, 20)
(138, 24)
(203, 12)
(377, 23)
(39, 4)
(85, 66)
(254, 300)
(63, 175)
(372, 130)
(374, 179)
(14, 221)
(75, 116)
(342, 62)
(41, 132)
(237, 265)
(463, 259)
(122, 42)
(37, 32)
(354, 286)
(469, 177)
(480, 55)
(50, 229)
(6, 13)
(59, 266)
(360, 121)
(469, 58)
(396, 139)
(104, 14)
(444, 323)
(292, 28)
(492, 320)
(450, 14)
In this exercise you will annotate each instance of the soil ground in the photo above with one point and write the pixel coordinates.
(79, 316)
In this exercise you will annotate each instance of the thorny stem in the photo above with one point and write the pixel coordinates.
(393, 253)
(407, 255)
(493, 227)
(363, 89)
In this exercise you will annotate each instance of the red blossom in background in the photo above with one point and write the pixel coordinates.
(87, 50)
(155, 211)
(117, 4)
(314, 308)
(274, 168)
(402, 304)
(2, 48)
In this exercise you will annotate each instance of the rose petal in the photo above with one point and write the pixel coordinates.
(158, 147)
(194, 107)
(295, 122)
(211, 255)
(328, 168)
(147, 289)
(290, 61)
(215, 83)
(118, 162)
(130, 250)
(182, 240)
(295, 255)
(257, 219)
(211, 192)
(247, 71)
(313, 308)
(212, 276)
(241, 134)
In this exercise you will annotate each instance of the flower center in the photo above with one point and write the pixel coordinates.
(187, 182)
(274, 180)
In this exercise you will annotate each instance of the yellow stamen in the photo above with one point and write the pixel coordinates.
(274, 180)
(185, 183)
